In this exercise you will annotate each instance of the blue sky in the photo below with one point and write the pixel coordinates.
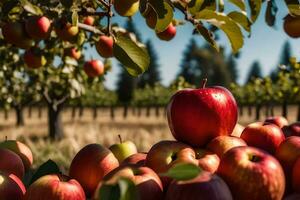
(264, 45)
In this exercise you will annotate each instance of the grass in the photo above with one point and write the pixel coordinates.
(143, 131)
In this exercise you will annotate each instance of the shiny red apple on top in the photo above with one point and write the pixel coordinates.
(196, 116)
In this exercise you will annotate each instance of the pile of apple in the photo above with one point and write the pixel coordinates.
(258, 162)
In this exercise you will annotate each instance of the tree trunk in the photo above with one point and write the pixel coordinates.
(5, 114)
(148, 111)
(298, 116)
(257, 113)
(139, 111)
(249, 111)
(40, 112)
(241, 109)
(112, 112)
(19, 115)
(284, 109)
(157, 113)
(125, 111)
(95, 112)
(55, 122)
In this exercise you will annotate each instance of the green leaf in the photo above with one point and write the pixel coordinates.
(226, 24)
(293, 6)
(164, 12)
(271, 12)
(49, 167)
(134, 57)
(124, 189)
(207, 35)
(31, 8)
(183, 171)
(241, 19)
(239, 3)
(255, 7)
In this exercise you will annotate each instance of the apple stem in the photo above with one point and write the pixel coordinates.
(120, 138)
(203, 83)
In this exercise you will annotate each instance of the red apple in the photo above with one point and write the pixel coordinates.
(277, 120)
(196, 116)
(38, 27)
(165, 154)
(73, 53)
(104, 46)
(207, 160)
(90, 165)
(21, 150)
(11, 187)
(138, 159)
(94, 68)
(11, 163)
(167, 34)
(14, 33)
(252, 173)
(55, 187)
(221, 144)
(89, 20)
(148, 184)
(237, 131)
(205, 186)
(34, 59)
(264, 136)
(292, 197)
(292, 129)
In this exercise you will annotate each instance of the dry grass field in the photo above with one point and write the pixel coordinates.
(144, 131)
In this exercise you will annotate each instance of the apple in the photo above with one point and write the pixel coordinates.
(291, 26)
(21, 150)
(34, 59)
(11, 163)
(264, 136)
(38, 27)
(14, 33)
(167, 34)
(94, 68)
(11, 187)
(138, 159)
(221, 144)
(292, 197)
(126, 8)
(123, 150)
(252, 173)
(165, 154)
(147, 182)
(277, 120)
(66, 31)
(292, 129)
(55, 187)
(90, 165)
(207, 160)
(196, 116)
(237, 131)
(89, 20)
(104, 46)
(205, 186)
(296, 176)
(73, 53)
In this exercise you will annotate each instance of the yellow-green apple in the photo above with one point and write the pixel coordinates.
(207, 160)
(167, 34)
(11, 187)
(138, 159)
(11, 163)
(147, 182)
(89, 20)
(21, 150)
(295, 196)
(165, 154)
(291, 26)
(73, 53)
(221, 144)
(104, 46)
(280, 121)
(264, 136)
(34, 59)
(123, 150)
(196, 116)
(66, 31)
(90, 165)
(296, 176)
(94, 68)
(205, 186)
(252, 173)
(126, 8)
(237, 131)
(55, 187)
(14, 33)
(38, 27)
(292, 129)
